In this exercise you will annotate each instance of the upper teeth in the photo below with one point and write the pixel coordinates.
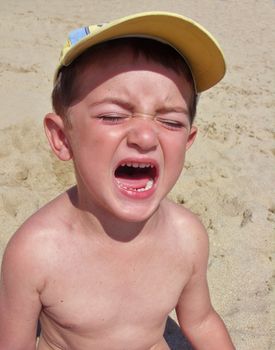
(138, 165)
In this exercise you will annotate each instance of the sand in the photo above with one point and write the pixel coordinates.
(229, 175)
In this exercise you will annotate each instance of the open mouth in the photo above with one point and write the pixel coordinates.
(137, 177)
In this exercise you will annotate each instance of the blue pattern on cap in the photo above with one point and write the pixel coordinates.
(76, 35)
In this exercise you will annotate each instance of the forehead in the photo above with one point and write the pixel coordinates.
(111, 69)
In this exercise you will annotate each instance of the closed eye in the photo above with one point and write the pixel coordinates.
(170, 124)
(113, 118)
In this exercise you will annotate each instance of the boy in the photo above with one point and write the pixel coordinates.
(103, 264)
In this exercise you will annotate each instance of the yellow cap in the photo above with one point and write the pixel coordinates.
(198, 47)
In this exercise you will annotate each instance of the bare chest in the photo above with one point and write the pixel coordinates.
(90, 292)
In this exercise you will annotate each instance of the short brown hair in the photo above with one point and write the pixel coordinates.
(64, 92)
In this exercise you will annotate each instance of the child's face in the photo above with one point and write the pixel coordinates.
(125, 165)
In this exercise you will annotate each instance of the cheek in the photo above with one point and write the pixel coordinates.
(95, 146)
(174, 155)
(174, 147)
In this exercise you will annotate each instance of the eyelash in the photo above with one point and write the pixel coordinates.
(113, 118)
(171, 124)
(119, 118)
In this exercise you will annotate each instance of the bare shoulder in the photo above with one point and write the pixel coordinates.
(184, 218)
(30, 249)
(188, 230)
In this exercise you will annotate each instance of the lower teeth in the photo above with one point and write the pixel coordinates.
(148, 186)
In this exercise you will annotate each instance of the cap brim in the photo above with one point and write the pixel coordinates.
(192, 41)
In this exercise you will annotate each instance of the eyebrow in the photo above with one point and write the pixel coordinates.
(116, 101)
(130, 107)
(176, 109)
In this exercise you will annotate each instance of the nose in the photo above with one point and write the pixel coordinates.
(143, 134)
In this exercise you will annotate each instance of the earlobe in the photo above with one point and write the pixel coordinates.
(54, 129)
(191, 137)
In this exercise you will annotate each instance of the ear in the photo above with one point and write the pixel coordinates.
(191, 137)
(55, 132)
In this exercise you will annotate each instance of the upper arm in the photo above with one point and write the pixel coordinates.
(19, 294)
(194, 304)
(197, 318)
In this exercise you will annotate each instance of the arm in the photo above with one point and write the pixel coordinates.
(19, 296)
(197, 318)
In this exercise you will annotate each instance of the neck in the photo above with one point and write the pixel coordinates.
(106, 225)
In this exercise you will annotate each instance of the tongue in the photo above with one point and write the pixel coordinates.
(133, 182)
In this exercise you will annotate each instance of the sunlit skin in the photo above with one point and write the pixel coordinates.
(98, 145)
(103, 264)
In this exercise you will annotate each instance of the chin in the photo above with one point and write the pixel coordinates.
(135, 213)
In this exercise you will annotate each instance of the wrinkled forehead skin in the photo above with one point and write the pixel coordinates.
(106, 64)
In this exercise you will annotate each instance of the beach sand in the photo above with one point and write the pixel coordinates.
(229, 175)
